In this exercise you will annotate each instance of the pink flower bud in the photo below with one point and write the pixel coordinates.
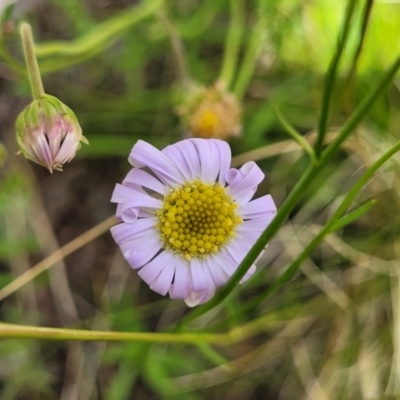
(48, 133)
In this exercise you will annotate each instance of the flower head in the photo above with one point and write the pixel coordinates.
(187, 227)
(211, 113)
(48, 133)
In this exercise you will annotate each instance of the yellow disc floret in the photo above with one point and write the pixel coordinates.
(205, 123)
(197, 219)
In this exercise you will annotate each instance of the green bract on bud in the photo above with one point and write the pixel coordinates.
(48, 133)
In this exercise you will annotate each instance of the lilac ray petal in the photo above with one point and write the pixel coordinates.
(218, 275)
(184, 155)
(142, 178)
(209, 159)
(200, 297)
(257, 225)
(143, 213)
(67, 150)
(248, 274)
(125, 232)
(181, 287)
(145, 155)
(54, 144)
(163, 282)
(140, 243)
(226, 262)
(244, 190)
(224, 159)
(233, 177)
(262, 207)
(132, 201)
(118, 212)
(237, 253)
(43, 151)
(128, 214)
(230, 266)
(137, 255)
(200, 280)
(151, 270)
(124, 194)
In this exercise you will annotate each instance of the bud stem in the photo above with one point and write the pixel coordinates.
(31, 62)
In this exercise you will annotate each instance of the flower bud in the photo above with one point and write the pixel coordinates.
(48, 133)
(211, 113)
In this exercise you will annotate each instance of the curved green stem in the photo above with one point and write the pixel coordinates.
(233, 41)
(34, 332)
(295, 135)
(249, 62)
(31, 62)
(102, 35)
(177, 48)
(331, 77)
(234, 335)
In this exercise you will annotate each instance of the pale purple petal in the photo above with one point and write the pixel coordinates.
(184, 155)
(163, 282)
(125, 232)
(200, 279)
(231, 257)
(255, 225)
(224, 159)
(68, 149)
(118, 212)
(145, 155)
(54, 143)
(208, 155)
(218, 275)
(143, 213)
(200, 297)
(149, 273)
(243, 189)
(132, 201)
(233, 177)
(181, 287)
(260, 208)
(142, 178)
(225, 261)
(42, 150)
(236, 252)
(140, 251)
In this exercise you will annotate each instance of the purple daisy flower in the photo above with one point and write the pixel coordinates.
(187, 228)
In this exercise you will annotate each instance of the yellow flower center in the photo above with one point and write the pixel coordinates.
(197, 219)
(206, 123)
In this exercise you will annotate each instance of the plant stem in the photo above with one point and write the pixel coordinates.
(55, 257)
(233, 41)
(331, 77)
(33, 332)
(31, 62)
(295, 135)
(250, 58)
(178, 49)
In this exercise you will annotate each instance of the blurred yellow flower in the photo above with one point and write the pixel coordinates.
(211, 113)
